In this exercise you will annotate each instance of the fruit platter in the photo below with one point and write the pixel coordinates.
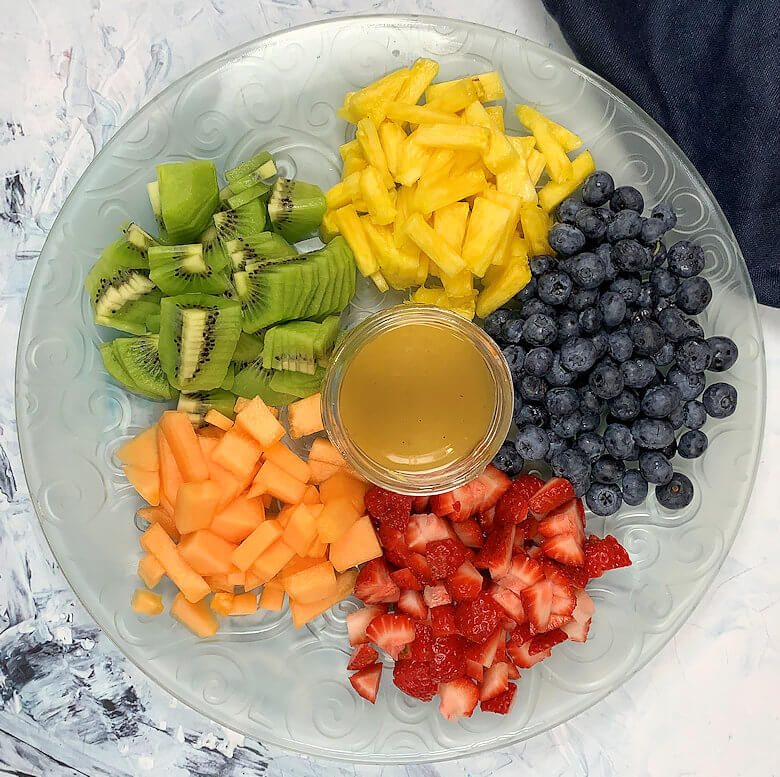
(390, 390)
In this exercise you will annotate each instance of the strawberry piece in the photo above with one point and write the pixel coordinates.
(495, 682)
(512, 669)
(501, 704)
(496, 484)
(530, 529)
(478, 619)
(465, 583)
(577, 628)
(445, 556)
(436, 595)
(522, 634)
(387, 507)
(404, 578)
(562, 520)
(411, 602)
(603, 555)
(485, 652)
(423, 529)
(523, 572)
(513, 505)
(420, 648)
(521, 656)
(508, 625)
(362, 656)
(391, 632)
(443, 504)
(366, 681)
(563, 603)
(534, 551)
(469, 532)
(565, 548)
(374, 584)
(500, 655)
(420, 568)
(576, 631)
(537, 603)
(496, 554)
(357, 622)
(509, 602)
(415, 678)
(443, 620)
(420, 504)
(552, 494)
(449, 660)
(487, 519)
(458, 698)
(474, 670)
(565, 574)
(467, 500)
(394, 543)
(546, 641)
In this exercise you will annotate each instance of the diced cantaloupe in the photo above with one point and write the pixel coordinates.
(258, 422)
(265, 535)
(170, 477)
(207, 445)
(206, 552)
(357, 545)
(283, 457)
(300, 530)
(241, 403)
(215, 418)
(303, 613)
(268, 500)
(141, 451)
(271, 561)
(272, 479)
(323, 449)
(272, 597)
(155, 541)
(163, 517)
(237, 452)
(312, 496)
(344, 486)
(210, 433)
(244, 604)
(146, 602)
(284, 515)
(219, 583)
(150, 570)
(180, 435)
(146, 482)
(230, 486)
(336, 517)
(309, 585)
(294, 565)
(196, 504)
(198, 618)
(305, 416)
(318, 549)
(322, 470)
(239, 519)
(222, 602)
(251, 580)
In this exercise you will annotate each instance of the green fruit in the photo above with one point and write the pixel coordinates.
(140, 358)
(296, 208)
(198, 403)
(184, 269)
(189, 197)
(254, 381)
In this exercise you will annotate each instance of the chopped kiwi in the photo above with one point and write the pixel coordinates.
(299, 345)
(263, 248)
(153, 190)
(131, 249)
(248, 349)
(213, 252)
(254, 381)
(299, 384)
(198, 335)
(140, 357)
(240, 224)
(198, 403)
(114, 366)
(230, 376)
(188, 197)
(258, 191)
(259, 162)
(296, 208)
(184, 269)
(153, 323)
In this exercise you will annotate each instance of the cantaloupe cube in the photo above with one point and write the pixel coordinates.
(222, 602)
(265, 535)
(146, 482)
(318, 549)
(357, 545)
(210, 433)
(155, 541)
(344, 486)
(283, 457)
(258, 422)
(268, 500)
(141, 451)
(196, 617)
(150, 570)
(284, 515)
(241, 403)
(146, 602)
(170, 477)
(196, 504)
(163, 517)
(312, 496)
(236, 576)
(322, 470)
(303, 613)
(207, 445)
(215, 418)
(294, 565)
(180, 435)
(219, 583)
(336, 517)
(244, 604)
(273, 480)
(239, 519)
(305, 416)
(323, 449)
(272, 560)
(206, 552)
(251, 580)
(309, 585)
(316, 509)
(272, 597)
(237, 452)
(229, 485)
(300, 530)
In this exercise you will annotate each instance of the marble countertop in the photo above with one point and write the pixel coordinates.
(70, 704)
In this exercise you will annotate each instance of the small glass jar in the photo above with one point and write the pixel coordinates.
(437, 479)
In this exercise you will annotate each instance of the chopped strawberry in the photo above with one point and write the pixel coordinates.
(374, 584)
(478, 619)
(500, 649)
(565, 548)
(521, 656)
(546, 641)
(420, 504)
(474, 670)
(486, 519)
(468, 500)
(420, 648)
(512, 669)
(580, 508)
(576, 631)
(523, 572)
(394, 543)
(603, 555)
(552, 494)
(485, 652)
(420, 568)
(501, 704)
(496, 681)
(443, 504)
(445, 556)
(537, 603)
(565, 574)
(534, 551)
(508, 625)
(458, 698)
(443, 620)
(562, 520)
(411, 602)
(423, 529)
(496, 554)
(387, 507)
(469, 533)
(513, 505)
(530, 529)
(465, 583)
(436, 595)
(522, 634)
(496, 483)
(509, 602)
(577, 628)
(404, 578)
(366, 681)
(357, 622)
(362, 656)
(391, 632)
(449, 659)
(415, 678)
(563, 603)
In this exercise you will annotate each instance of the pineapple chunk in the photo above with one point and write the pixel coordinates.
(355, 164)
(422, 73)
(399, 271)
(463, 306)
(463, 136)
(380, 204)
(439, 166)
(467, 161)
(343, 192)
(516, 180)
(422, 270)
(440, 193)
(496, 113)
(487, 86)
(555, 192)
(348, 223)
(487, 224)
(346, 112)
(535, 162)
(450, 222)
(428, 242)
(536, 224)
(513, 277)
(513, 205)
(379, 281)
(557, 163)
(524, 144)
(349, 149)
(455, 97)
(412, 162)
(328, 228)
(568, 140)
(500, 153)
(368, 138)
(391, 136)
(419, 114)
(371, 100)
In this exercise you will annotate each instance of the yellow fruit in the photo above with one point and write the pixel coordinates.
(354, 164)
(399, 272)
(536, 163)
(412, 161)
(487, 87)
(380, 204)
(462, 136)
(536, 224)
(349, 149)
(419, 114)
(524, 144)
(438, 167)
(441, 193)
(466, 162)
(391, 136)
(554, 192)
(422, 73)
(422, 270)
(346, 112)
(450, 222)
(368, 138)
(370, 101)
(500, 152)
(343, 193)
(513, 277)
(568, 140)
(429, 243)
(487, 223)
(380, 282)
(349, 225)
(496, 113)
(513, 205)
(453, 98)
(557, 163)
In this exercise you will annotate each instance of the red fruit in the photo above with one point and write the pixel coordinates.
(513, 505)
(502, 704)
(530, 529)
(391, 632)
(478, 619)
(565, 574)
(562, 520)
(449, 660)
(487, 519)
(420, 568)
(521, 656)
(495, 682)
(387, 507)
(522, 634)
(500, 649)
(485, 652)
(411, 602)
(443, 504)
(366, 681)
(419, 504)
(523, 572)
(420, 648)
(404, 578)
(546, 641)
(394, 543)
(508, 625)
(423, 529)
(443, 620)
(577, 628)
(513, 673)
(552, 494)
(357, 622)
(474, 670)
(496, 483)
(458, 698)
(415, 678)
(374, 584)
(509, 602)
(465, 583)
(362, 656)
(468, 500)
(537, 603)
(565, 548)
(563, 603)
(603, 555)
(496, 554)
(436, 595)
(445, 556)
(469, 532)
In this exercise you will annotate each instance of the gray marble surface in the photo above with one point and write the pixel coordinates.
(72, 72)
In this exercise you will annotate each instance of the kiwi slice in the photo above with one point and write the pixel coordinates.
(198, 335)
(213, 252)
(153, 323)
(254, 381)
(296, 208)
(240, 224)
(299, 345)
(140, 357)
(230, 376)
(196, 404)
(131, 249)
(188, 197)
(248, 349)
(299, 384)
(184, 269)
(114, 366)
(261, 164)
(256, 192)
(264, 248)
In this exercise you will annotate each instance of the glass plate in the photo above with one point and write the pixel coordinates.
(259, 676)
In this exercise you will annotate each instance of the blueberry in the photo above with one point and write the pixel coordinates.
(627, 286)
(608, 214)
(670, 450)
(573, 465)
(720, 400)
(690, 386)
(606, 380)
(508, 459)
(588, 271)
(632, 256)
(591, 444)
(559, 375)
(530, 414)
(685, 259)
(634, 487)
(591, 320)
(532, 388)
(561, 401)
(724, 353)
(627, 198)
(540, 264)
(598, 188)
(636, 315)
(693, 328)
(626, 225)
(592, 223)
(677, 417)
(600, 344)
(582, 298)
(589, 402)
(652, 231)
(565, 239)
(514, 355)
(539, 329)
(589, 422)
(655, 467)
(608, 470)
(557, 445)
(694, 295)
(637, 373)
(621, 347)
(692, 444)
(611, 270)
(526, 293)
(662, 304)
(647, 336)
(578, 354)
(538, 361)
(535, 306)
(531, 442)
(613, 308)
(664, 283)
(566, 263)
(625, 406)
(568, 209)
(494, 323)
(676, 494)
(693, 355)
(567, 426)
(554, 287)
(619, 441)
(647, 296)
(512, 329)
(665, 214)
(604, 498)
(652, 433)
(694, 414)
(660, 401)
(568, 325)
(673, 322)
(664, 357)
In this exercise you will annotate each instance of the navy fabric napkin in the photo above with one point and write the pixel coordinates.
(708, 71)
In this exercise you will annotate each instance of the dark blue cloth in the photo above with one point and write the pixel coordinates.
(708, 71)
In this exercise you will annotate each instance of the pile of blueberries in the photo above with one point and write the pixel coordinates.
(607, 363)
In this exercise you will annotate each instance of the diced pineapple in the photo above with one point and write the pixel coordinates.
(536, 224)
(515, 180)
(349, 149)
(346, 112)
(524, 144)
(419, 114)
(513, 205)
(380, 204)
(328, 228)
(565, 137)
(454, 97)
(380, 282)
(514, 276)
(422, 270)
(496, 113)
(399, 271)
(438, 167)
(343, 192)
(557, 163)
(487, 224)
(371, 100)
(536, 163)
(487, 87)
(450, 222)
(441, 193)
(462, 136)
(425, 296)
(429, 242)
(555, 192)
(422, 73)
(500, 152)
(459, 285)
(391, 136)
(412, 161)
(348, 223)
(354, 164)
(466, 162)
(368, 138)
